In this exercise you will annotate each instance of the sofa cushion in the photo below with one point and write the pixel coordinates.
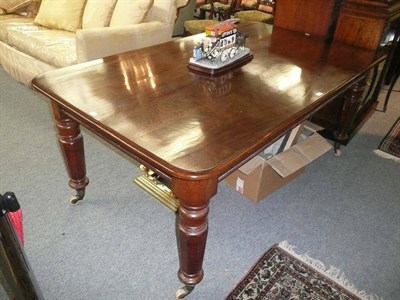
(11, 6)
(129, 12)
(54, 47)
(254, 15)
(11, 22)
(98, 13)
(61, 14)
(249, 4)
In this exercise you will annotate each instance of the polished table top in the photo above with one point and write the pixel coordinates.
(180, 122)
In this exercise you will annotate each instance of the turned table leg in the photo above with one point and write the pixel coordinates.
(192, 229)
(71, 143)
(352, 100)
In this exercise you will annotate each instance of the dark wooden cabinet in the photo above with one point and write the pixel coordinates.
(313, 17)
(365, 24)
(362, 23)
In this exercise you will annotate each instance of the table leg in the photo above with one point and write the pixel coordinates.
(352, 100)
(71, 143)
(192, 228)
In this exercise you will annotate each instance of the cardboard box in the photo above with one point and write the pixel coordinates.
(260, 177)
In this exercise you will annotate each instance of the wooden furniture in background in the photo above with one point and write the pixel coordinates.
(260, 11)
(393, 63)
(363, 24)
(220, 10)
(313, 17)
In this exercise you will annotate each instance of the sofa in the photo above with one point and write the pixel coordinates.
(41, 35)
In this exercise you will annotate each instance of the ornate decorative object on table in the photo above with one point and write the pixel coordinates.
(221, 49)
(282, 274)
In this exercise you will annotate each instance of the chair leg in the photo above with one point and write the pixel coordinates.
(202, 14)
(391, 86)
(394, 61)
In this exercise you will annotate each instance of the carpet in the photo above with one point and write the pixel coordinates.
(390, 145)
(280, 273)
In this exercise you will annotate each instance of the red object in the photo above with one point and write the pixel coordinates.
(218, 29)
(16, 221)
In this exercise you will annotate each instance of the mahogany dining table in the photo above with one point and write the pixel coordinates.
(194, 129)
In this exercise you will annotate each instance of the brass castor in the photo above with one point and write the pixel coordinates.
(184, 291)
(79, 196)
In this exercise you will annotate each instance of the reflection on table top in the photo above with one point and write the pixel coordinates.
(191, 126)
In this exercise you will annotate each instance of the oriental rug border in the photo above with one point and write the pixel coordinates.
(390, 145)
(280, 273)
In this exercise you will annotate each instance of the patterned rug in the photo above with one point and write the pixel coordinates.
(390, 145)
(280, 273)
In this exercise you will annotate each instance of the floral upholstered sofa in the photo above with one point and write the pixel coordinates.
(41, 35)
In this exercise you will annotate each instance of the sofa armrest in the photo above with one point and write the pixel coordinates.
(100, 42)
